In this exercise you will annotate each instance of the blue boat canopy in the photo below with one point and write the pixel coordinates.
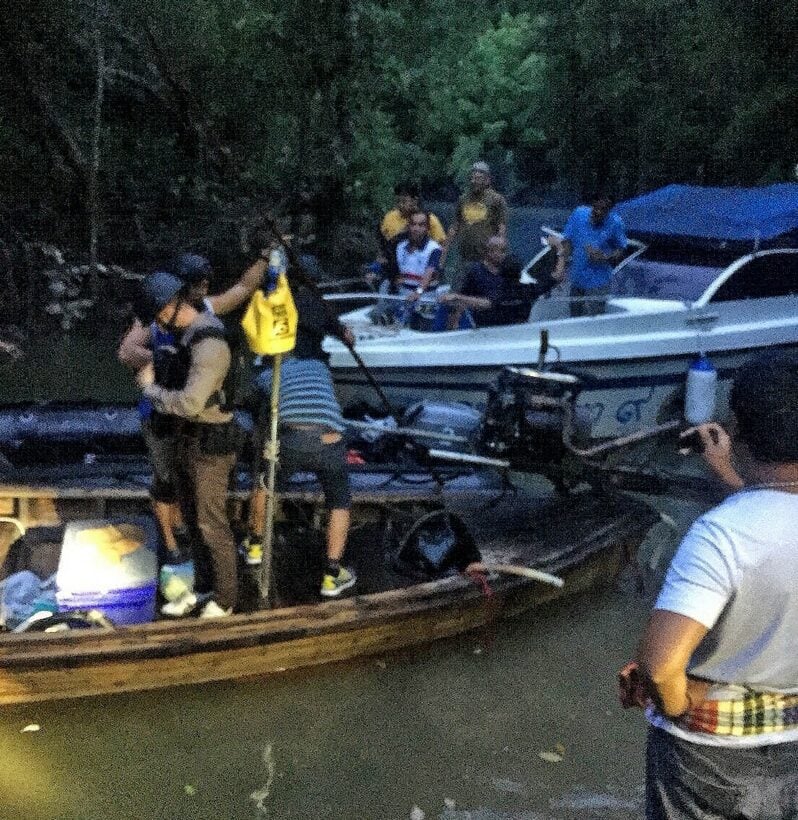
(734, 215)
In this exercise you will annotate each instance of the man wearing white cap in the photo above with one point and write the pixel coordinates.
(481, 213)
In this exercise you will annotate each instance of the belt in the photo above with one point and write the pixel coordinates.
(755, 714)
(325, 434)
(195, 429)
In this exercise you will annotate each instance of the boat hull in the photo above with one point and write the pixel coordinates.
(620, 396)
(634, 357)
(590, 550)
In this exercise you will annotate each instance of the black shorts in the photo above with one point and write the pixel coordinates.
(303, 451)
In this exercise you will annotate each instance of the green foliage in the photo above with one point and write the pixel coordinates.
(213, 107)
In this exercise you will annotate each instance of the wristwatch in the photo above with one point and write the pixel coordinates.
(419, 290)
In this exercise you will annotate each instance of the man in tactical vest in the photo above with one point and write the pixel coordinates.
(145, 343)
(190, 407)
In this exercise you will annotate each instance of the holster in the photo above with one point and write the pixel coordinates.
(219, 439)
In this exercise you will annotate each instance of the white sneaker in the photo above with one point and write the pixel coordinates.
(213, 610)
(181, 606)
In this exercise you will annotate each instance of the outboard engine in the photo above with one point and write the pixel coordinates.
(526, 417)
(452, 420)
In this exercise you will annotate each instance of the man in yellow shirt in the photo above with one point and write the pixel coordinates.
(396, 221)
(481, 213)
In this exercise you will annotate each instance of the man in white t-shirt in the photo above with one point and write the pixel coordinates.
(718, 663)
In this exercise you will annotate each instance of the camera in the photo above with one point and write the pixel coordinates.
(691, 443)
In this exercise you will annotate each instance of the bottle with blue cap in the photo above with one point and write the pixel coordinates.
(701, 391)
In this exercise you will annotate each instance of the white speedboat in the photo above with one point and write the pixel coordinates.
(717, 279)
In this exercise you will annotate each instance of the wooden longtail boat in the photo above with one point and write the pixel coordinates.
(584, 540)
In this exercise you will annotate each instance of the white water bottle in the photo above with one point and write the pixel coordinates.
(699, 399)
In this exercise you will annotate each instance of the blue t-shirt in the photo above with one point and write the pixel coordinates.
(607, 237)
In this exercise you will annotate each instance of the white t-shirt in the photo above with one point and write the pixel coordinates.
(736, 572)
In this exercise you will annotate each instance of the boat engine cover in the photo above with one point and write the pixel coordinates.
(448, 418)
(526, 425)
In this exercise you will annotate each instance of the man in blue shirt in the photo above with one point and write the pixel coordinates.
(593, 242)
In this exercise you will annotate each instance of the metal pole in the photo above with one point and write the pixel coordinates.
(271, 453)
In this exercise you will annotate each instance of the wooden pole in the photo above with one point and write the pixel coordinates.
(271, 453)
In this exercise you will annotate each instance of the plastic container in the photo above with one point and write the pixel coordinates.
(109, 565)
(123, 607)
(176, 579)
(701, 391)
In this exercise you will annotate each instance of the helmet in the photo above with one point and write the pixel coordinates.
(192, 268)
(157, 290)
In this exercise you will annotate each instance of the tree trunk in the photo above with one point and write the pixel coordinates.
(94, 167)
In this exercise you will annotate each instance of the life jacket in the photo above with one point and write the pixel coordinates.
(165, 358)
(165, 347)
(175, 362)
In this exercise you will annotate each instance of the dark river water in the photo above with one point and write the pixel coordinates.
(454, 731)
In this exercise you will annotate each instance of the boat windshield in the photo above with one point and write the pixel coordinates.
(654, 279)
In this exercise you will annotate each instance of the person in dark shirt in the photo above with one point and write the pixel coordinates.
(311, 435)
(491, 292)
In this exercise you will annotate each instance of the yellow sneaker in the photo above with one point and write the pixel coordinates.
(253, 553)
(333, 585)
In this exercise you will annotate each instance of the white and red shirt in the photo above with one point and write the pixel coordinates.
(413, 262)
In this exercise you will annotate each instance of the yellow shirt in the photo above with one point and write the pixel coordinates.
(393, 223)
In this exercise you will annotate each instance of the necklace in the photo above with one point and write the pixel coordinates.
(772, 485)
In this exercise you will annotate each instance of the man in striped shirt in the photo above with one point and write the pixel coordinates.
(311, 440)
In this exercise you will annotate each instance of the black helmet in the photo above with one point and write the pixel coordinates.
(192, 268)
(157, 290)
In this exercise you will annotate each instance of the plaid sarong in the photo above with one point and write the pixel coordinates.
(756, 713)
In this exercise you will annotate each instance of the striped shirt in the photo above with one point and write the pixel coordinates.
(306, 394)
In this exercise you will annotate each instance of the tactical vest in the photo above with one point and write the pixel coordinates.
(166, 359)
(172, 362)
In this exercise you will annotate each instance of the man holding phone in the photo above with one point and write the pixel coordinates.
(717, 668)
